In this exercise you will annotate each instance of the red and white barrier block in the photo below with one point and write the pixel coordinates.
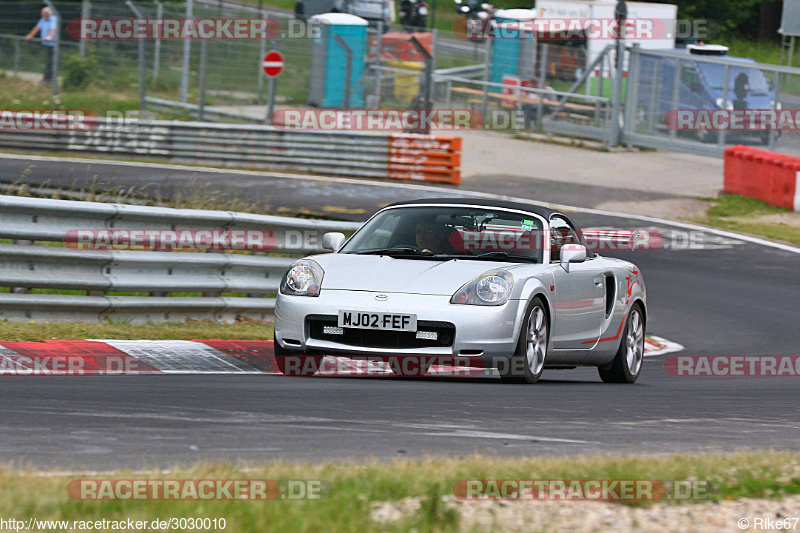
(102, 357)
(767, 176)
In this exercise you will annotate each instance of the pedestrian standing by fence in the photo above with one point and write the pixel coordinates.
(48, 25)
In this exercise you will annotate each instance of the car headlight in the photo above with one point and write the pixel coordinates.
(303, 279)
(490, 288)
(722, 104)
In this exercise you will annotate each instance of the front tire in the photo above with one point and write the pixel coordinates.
(295, 363)
(527, 363)
(627, 364)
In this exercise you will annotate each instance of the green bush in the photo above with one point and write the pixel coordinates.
(78, 71)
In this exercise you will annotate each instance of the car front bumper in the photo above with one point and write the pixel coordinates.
(485, 331)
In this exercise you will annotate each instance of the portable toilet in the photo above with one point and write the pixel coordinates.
(513, 45)
(329, 59)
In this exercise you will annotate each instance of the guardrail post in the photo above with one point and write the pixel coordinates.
(21, 290)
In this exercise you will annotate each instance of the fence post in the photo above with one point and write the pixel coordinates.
(487, 67)
(142, 90)
(426, 88)
(775, 104)
(632, 93)
(187, 43)
(201, 108)
(56, 50)
(654, 90)
(676, 91)
(379, 62)
(157, 51)
(262, 50)
(434, 50)
(271, 88)
(86, 12)
(721, 134)
(616, 97)
(348, 69)
(16, 56)
(542, 86)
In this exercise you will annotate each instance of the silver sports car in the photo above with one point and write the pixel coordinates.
(495, 284)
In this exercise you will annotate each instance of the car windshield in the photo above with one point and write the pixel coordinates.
(715, 74)
(451, 232)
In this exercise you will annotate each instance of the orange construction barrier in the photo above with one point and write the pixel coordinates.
(767, 176)
(397, 45)
(415, 156)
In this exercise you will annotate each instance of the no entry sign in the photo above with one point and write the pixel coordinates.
(272, 63)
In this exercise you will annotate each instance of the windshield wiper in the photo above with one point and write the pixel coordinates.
(396, 250)
(499, 254)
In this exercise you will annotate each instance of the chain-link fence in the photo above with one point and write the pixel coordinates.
(548, 86)
(703, 103)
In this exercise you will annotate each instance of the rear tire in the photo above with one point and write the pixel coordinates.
(295, 362)
(627, 364)
(527, 363)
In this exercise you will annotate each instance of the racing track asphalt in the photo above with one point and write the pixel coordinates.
(730, 298)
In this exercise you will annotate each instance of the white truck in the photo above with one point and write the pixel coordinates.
(597, 20)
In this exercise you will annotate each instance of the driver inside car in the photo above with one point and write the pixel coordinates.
(433, 237)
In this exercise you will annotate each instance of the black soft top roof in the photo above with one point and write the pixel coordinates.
(541, 211)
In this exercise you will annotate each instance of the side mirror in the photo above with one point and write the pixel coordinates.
(333, 241)
(572, 253)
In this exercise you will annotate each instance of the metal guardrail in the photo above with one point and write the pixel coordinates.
(239, 145)
(221, 115)
(100, 273)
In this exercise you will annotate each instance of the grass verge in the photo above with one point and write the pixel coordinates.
(37, 331)
(351, 489)
(748, 215)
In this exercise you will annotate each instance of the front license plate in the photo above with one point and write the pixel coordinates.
(383, 321)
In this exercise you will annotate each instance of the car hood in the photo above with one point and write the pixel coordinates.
(387, 274)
